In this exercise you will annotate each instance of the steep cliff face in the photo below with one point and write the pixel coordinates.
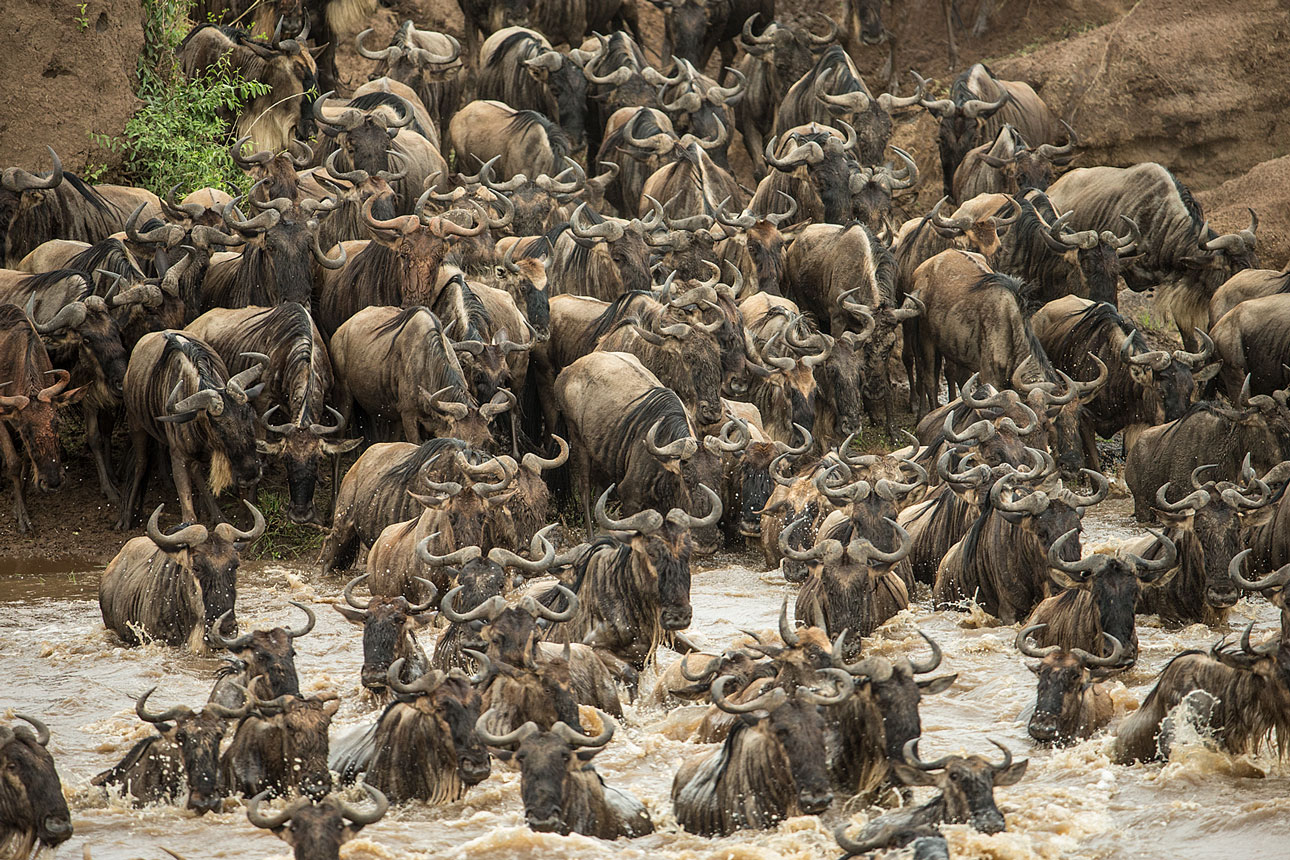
(68, 70)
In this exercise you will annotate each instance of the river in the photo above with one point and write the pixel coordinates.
(62, 665)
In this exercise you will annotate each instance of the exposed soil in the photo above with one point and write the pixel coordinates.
(68, 70)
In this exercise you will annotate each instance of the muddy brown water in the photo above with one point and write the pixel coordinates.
(58, 661)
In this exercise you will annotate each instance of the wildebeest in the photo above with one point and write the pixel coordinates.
(395, 365)
(633, 588)
(275, 263)
(519, 68)
(1240, 692)
(1069, 705)
(833, 91)
(1002, 562)
(1041, 250)
(693, 29)
(297, 380)
(816, 166)
(426, 61)
(266, 656)
(768, 768)
(317, 829)
(527, 141)
(1244, 285)
(398, 267)
(773, 61)
(562, 792)
(1144, 387)
(181, 759)
(389, 632)
(424, 745)
(35, 209)
(1181, 256)
(281, 745)
(1008, 165)
(1101, 595)
(179, 393)
(979, 105)
(173, 587)
(1250, 341)
(30, 409)
(33, 813)
(286, 68)
(966, 784)
(602, 257)
(1208, 432)
(643, 444)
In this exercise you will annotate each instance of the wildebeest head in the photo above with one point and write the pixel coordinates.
(662, 546)
(364, 137)
(1094, 256)
(874, 188)
(453, 700)
(978, 223)
(31, 794)
(87, 327)
(685, 26)
(1022, 168)
(486, 365)
(1047, 515)
(316, 830)
(21, 193)
(35, 418)
(566, 85)
(420, 245)
(623, 241)
(1165, 380)
(1221, 256)
(302, 725)
(546, 760)
(794, 728)
(1063, 678)
(281, 245)
(229, 420)
(268, 654)
(197, 736)
(790, 50)
(389, 628)
(525, 281)
(896, 689)
(962, 117)
(818, 160)
(967, 784)
(1059, 408)
(302, 445)
(1217, 514)
(212, 558)
(1115, 582)
(765, 245)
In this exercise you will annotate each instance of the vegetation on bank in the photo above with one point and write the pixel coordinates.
(179, 136)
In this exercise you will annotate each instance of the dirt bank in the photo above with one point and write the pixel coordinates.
(68, 70)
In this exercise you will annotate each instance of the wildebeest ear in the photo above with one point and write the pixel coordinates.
(1206, 373)
(1013, 517)
(182, 418)
(264, 446)
(67, 398)
(254, 391)
(1013, 774)
(913, 776)
(353, 616)
(1033, 665)
(502, 755)
(588, 753)
(932, 686)
(342, 447)
(1173, 519)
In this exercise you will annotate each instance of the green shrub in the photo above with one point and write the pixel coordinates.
(179, 134)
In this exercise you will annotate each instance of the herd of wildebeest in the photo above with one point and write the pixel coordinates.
(590, 305)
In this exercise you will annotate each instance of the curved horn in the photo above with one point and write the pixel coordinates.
(644, 522)
(575, 738)
(1024, 646)
(1158, 565)
(275, 820)
(1113, 659)
(194, 535)
(362, 819)
(786, 631)
(1275, 579)
(230, 533)
(141, 708)
(1081, 569)
(485, 611)
(509, 739)
(683, 519)
(910, 754)
(769, 700)
(348, 593)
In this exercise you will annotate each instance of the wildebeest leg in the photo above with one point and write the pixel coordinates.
(623, 672)
(134, 497)
(98, 435)
(1089, 440)
(411, 428)
(208, 498)
(13, 468)
(754, 144)
(183, 486)
(727, 49)
(950, 13)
